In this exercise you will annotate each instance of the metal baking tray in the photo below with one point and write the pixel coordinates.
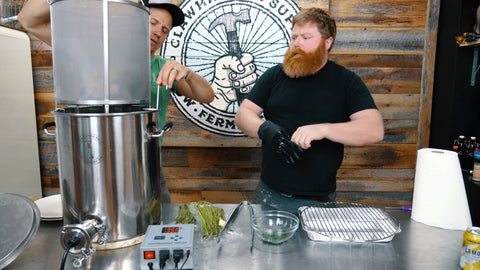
(348, 222)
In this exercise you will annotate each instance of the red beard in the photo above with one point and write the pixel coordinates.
(305, 64)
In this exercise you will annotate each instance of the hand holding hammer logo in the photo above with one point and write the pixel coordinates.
(230, 20)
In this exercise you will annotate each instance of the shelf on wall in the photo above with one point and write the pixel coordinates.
(475, 43)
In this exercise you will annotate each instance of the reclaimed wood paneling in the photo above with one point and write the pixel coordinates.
(186, 197)
(376, 198)
(380, 13)
(42, 59)
(353, 185)
(390, 80)
(373, 156)
(371, 59)
(390, 44)
(369, 198)
(430, 49)
(379, 41)
(324, 4)
(43, 77)
(226, 196)
(209, 184)
(393, 106)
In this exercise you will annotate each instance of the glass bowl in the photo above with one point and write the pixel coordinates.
(274, 227)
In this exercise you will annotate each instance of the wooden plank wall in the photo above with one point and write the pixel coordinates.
(381, 40)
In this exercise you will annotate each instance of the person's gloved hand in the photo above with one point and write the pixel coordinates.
(278, 139)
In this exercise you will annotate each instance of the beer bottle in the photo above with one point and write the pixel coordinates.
(472, 143)
(455, 145)
(462, 150)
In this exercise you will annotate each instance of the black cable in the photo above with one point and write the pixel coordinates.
(64, 258)
(186, 259)
(164, 256)
(71, 243)
(177, 256)
(150, 265)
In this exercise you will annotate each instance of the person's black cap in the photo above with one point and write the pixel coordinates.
(177, 14)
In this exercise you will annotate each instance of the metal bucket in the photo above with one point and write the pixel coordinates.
(109, 168)
(101, 52)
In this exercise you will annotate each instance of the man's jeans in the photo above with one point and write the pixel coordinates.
(270, 199)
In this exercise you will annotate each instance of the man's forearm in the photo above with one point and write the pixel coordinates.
(35, 18)
(356, 133)
(366, 127)
(200, 89)
(248, 120)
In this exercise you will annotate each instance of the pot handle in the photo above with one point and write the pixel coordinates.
(160, 133)
(46, 126)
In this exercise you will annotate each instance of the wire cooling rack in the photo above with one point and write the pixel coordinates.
(341, 221)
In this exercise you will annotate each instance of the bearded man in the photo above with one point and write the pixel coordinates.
(313, 107)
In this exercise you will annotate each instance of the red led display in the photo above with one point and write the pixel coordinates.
(170, 229)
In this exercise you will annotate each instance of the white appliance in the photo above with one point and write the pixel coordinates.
(19, 159)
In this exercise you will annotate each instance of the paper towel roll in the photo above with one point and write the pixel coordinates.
(439, 197)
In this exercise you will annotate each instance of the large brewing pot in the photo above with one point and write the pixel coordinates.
(109, 168)
(101, 52)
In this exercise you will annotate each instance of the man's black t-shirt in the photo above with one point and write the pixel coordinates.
(329, 96)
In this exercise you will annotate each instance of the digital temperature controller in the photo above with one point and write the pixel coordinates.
(159, 239)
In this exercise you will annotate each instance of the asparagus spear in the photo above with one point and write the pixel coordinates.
(211, 218)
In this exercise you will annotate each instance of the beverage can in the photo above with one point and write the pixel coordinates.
(470, 255)
(476, 166)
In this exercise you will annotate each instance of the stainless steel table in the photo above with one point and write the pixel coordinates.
(417, 246)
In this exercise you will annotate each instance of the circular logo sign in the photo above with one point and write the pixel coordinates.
(230, 44)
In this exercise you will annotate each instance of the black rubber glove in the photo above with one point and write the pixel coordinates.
(278, 139)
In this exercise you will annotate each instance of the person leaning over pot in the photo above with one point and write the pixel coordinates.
(313, 107)
(170, 75)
